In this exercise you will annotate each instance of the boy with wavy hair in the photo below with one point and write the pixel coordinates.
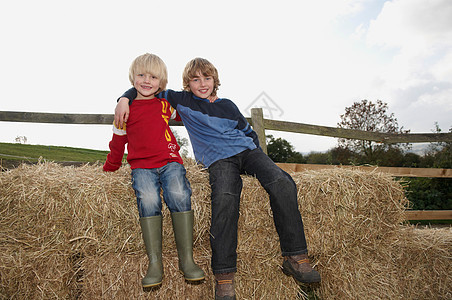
(153, 155)
(224, 142)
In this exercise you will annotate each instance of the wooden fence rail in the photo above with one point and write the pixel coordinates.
(260, 125)
(257, 120)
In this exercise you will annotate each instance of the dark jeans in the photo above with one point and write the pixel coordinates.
(226, 187)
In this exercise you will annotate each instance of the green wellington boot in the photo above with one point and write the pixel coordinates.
(183, 233)
(151, 228)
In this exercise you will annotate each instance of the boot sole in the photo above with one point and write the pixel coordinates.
(152, 284)
(192, 279)
(195, 279)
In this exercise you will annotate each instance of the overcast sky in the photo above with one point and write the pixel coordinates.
(303, 61)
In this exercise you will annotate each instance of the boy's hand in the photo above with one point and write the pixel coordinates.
(121, 112)
(109, 167)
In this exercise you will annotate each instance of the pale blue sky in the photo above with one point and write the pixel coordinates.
(312, 58)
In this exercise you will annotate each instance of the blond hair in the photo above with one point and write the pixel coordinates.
(149, 64)
(204, 67)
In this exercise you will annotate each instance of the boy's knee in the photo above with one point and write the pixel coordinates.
(148, 208)
(281, 184)
(283, 178)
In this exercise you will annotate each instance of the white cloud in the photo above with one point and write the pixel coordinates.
(414, 26)
(442, 69)
(342, 8)
(418, 79)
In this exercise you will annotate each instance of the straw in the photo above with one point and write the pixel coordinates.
(73, 232)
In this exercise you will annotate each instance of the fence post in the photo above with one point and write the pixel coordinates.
(257, 118)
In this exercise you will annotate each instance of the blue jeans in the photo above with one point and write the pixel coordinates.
(176, 189)
(226, 184)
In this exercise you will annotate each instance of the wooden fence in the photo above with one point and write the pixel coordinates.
(260, 125)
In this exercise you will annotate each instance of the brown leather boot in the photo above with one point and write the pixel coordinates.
(224, 286)
(300, 269)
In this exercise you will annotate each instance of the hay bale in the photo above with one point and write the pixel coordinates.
(35, 262)
(118, 276)
(422, 259)
(73, 232)
(344, 208)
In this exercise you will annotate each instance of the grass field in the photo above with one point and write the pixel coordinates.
(32, 153)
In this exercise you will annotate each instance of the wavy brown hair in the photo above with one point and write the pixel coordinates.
(204, 67)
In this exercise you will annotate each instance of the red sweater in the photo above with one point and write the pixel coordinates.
(151, 143)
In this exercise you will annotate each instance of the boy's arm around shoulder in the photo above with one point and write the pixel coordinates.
(122, 111)
(173, 97)
(130, 94)
(117, 148)
(122, 107)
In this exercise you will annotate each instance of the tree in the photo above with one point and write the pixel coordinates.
(319, 158)
(21, 139)
(374, 117)
(280, 150)
(341, 156)
(431, 193)
(411, 160)
(441, 152)
(183, 143)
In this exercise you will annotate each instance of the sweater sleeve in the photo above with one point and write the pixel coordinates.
(245, 127)
(175, 115)
(252, 134)
(117, 148)
(130, 94)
